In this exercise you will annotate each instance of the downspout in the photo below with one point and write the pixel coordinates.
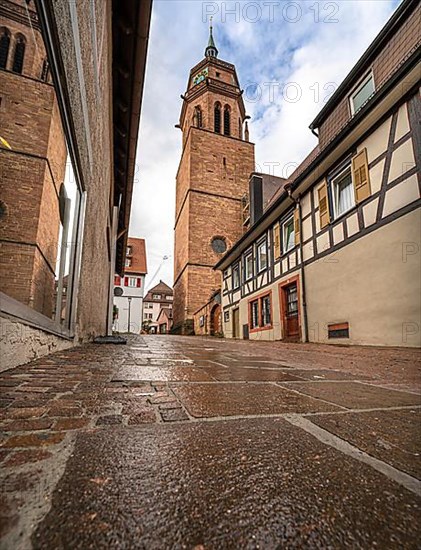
(297, 202)
(114, 223)
(303, 276)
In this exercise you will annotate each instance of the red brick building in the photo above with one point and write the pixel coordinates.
(212, 179)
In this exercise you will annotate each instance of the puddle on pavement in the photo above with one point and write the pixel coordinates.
(247, 374)
(160, 374)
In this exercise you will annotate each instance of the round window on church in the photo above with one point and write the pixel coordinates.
(219, 245)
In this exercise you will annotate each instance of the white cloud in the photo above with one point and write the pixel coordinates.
(309, 53)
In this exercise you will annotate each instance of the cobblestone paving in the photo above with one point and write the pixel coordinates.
(361, 400)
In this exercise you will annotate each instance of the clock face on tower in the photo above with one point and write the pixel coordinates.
(200, 77)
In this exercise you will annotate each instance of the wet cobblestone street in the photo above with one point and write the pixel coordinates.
(177, 442)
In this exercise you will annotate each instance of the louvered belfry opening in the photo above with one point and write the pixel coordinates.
(217, 118)
(227, 121)
(198, 117)
(19, 55)
(4, 48)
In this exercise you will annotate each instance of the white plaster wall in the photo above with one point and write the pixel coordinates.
(21, 344)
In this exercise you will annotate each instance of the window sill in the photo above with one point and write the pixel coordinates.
(354, 207)
(285, 252)
(260, 329)
(20, 313)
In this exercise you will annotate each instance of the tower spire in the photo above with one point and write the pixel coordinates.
(211, 49)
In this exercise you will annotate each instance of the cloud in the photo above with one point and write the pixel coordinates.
(293, 54)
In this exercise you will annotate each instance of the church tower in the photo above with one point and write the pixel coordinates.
(212, 178)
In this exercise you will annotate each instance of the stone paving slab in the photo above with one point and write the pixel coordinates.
(391, 436)
(219, 399)
(355, 395)
(237, 374)
(160, 374)
(259, 483)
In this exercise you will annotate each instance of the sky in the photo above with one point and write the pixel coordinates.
(290, 57)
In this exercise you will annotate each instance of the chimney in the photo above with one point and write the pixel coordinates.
(256, 198)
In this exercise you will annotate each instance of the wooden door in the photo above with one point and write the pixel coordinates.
(291, 312)
(236, 323)
(215, 320)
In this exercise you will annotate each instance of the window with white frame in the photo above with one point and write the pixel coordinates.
(254, 314)
(343, 197)
(262, 257)
(156, 296)
(266, 313)
(236, 276)
(248, 266)
(132, 282)
(128, 262)
(362, 94)
(170, 298)
(288, 235)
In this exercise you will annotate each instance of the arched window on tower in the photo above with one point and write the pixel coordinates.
(19, 54)
(4, 47)
(45, 70)
(227, 121)
(217, 116)
(198, 117)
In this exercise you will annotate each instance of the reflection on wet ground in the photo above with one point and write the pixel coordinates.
(175, 442)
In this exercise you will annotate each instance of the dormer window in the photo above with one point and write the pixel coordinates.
(362, 93)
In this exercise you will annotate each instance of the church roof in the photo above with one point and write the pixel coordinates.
(211, 50)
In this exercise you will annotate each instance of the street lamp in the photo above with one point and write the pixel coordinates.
(130, 303)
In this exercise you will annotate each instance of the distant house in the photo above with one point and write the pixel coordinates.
(164, 320)
(158, 297)
(129, 289)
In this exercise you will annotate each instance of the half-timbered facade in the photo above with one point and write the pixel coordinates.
(335, 257)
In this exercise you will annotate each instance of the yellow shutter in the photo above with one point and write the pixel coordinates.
(297, 227)
(276, 242)
(323, 206)
(360, 176)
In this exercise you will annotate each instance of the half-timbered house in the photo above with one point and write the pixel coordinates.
(334, 256)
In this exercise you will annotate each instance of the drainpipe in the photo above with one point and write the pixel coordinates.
(297, 201)
(113, 245)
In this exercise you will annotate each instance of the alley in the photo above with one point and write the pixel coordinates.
(178, 442)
